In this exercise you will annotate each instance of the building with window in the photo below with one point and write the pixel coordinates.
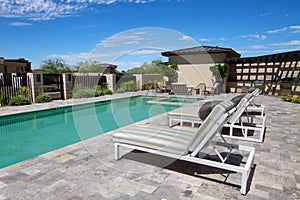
(18, 66)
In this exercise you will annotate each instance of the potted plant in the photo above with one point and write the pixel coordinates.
(220, 71)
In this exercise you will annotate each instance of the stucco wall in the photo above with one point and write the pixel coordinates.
(194, 69)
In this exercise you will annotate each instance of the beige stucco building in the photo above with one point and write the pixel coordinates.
(194, 63)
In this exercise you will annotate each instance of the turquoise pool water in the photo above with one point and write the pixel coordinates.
(182, 100)
(27, 135)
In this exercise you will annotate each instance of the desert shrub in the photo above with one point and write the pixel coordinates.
(107, 92)
(290, 98)
(296, 99)
(128, 86)
(18, 101)
(24, 91)
(43, 98)
(99, 93)
(151, 85)
(83, 93)
(120, 90)
(4, 99)
(287, 98)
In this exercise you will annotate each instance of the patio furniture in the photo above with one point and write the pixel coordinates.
(190, 145)
(181, 89)
(248, 118)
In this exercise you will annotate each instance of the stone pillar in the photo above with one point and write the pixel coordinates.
(67, 85)
(111, 80)
(36, 83)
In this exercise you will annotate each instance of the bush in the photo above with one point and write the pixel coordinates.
(84, 93)
(107, 92)
(24, 91)
(18, 101)
(296, 99)
(120, 90)
(289, 98)
(4, 100)
(129, 86)
(43, 98)
(99, 93)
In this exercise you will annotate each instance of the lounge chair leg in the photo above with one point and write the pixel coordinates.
(117, 154)
(244, 183)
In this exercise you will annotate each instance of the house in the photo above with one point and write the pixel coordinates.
(194, 63)
(18, 66)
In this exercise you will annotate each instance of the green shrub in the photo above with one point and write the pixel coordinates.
(107, 92)
(129, 86)
(43, 98)
(296, 99)
(84, 93)
(18, 101)
(24, 91)
(120, 90)
(99, 93)
(4, 99)
(290, 98)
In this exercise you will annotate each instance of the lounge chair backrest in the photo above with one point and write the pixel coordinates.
(179, 88)
(206, 108)
(255, 92)
(211, 126)
(240, 108)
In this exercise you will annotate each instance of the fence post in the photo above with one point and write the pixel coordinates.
(67, 85)
(36, 83)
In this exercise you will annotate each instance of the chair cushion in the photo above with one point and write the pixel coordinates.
(206, 108)
(237, 99)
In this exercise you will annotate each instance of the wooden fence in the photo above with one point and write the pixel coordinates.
(10, 84)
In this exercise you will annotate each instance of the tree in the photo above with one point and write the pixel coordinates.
(55, 66)
(89, 66)
(155, 67)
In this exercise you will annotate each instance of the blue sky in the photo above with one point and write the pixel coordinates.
(130, 32)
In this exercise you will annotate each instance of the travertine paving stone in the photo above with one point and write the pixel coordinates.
(87, 170)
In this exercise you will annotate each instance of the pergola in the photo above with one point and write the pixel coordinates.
(271, 73)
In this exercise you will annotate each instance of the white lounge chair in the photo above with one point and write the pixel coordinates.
(254, 115)
(181, 89)
(188, 145)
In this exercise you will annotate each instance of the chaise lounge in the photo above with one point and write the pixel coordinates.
(191, 144)
(246, 109)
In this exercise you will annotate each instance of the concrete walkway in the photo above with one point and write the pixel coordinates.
(87, 170)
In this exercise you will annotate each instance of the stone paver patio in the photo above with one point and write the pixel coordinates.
(87, 170)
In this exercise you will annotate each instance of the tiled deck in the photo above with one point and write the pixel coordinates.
(87, 170)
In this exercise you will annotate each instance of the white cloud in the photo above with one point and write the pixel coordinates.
(293, 29)
(185, 38)
(20, 24)
(265, 14)
(71, 59)
(257, 46)
(204, 40)
(38, 10)
(145, 51)
(290, 43)
(278, 30)
(124, 65)
(254, 36)
(121, 39)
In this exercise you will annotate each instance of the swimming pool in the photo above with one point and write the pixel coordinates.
(24, 136)
(174, 100)
(181, 100)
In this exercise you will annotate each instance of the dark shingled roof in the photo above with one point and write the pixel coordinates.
(279, 57)
(201, 50)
